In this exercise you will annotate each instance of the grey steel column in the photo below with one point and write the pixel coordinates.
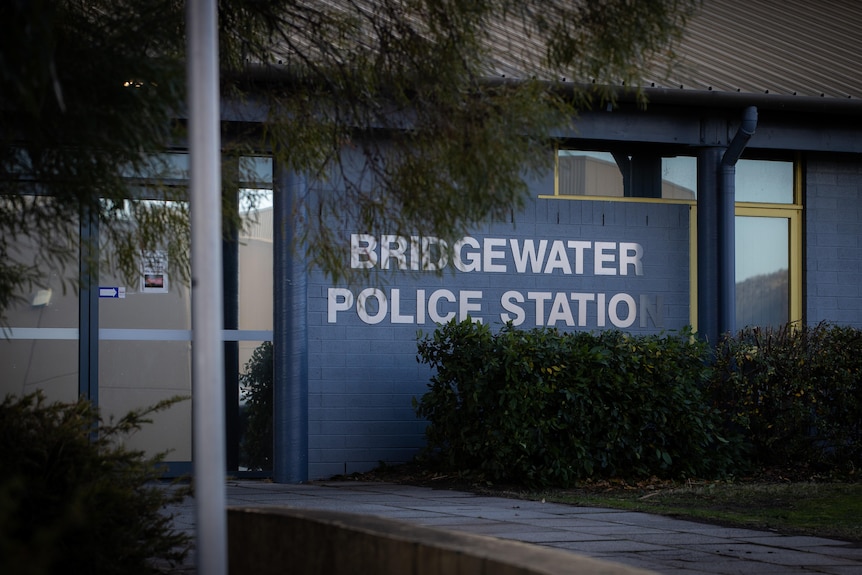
(88, 306)
(290, 334)
(207, 320)
(708, 161)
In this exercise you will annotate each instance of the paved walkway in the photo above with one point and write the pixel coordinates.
(660, 544)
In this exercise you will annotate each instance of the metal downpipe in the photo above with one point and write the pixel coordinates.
(726, 222)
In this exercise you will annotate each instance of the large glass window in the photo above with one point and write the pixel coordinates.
(768, 244)
(145, 349)
(255, 317)
(144, 325)
(762, 271)
(764, 181)
(39, 342)
(622, 175)
(768, 229)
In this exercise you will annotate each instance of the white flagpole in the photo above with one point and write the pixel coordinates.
(208, 395)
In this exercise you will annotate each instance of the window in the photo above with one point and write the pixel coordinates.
(768, 244)
(768, 218)
(623, 175)
(39, 344)
(764, 181)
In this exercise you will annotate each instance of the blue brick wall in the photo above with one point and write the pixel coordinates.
(833, 258)
(363, 377)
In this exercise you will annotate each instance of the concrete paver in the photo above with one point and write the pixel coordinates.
(661, 544)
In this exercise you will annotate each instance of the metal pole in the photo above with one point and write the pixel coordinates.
(207, 319)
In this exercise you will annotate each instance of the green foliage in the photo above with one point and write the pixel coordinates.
(93, 91)
(546, 408)
(257, 383)
(796, 393)
(74, 500)
(425, 115)
(464, 94)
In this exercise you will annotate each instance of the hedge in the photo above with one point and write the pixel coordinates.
(540, 407)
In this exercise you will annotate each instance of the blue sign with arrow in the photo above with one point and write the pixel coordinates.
(112, 292)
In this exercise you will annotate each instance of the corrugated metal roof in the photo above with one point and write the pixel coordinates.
(801, 48)
(785, 47)
(809, 51)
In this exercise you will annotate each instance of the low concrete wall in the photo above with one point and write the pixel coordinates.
(283, 540)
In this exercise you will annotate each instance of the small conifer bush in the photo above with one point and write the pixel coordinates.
(74, 500)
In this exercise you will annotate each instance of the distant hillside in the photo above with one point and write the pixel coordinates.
(763, 300)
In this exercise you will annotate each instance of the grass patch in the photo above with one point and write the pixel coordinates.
(789, 501)
(831, 510)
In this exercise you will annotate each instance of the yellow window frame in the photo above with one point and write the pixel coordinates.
(792, 212)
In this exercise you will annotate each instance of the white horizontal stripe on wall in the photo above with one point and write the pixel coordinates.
(71, 333)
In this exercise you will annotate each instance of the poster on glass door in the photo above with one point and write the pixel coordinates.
(154, 272)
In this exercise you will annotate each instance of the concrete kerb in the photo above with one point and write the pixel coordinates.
(275, 540)
(651, 542)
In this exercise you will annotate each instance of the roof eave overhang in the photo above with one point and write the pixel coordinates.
(256, 73)
(738, 100)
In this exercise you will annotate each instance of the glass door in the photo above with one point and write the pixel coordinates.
(145, 350)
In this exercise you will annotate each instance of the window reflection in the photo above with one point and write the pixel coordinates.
(621, 175)
(762, 271)
(39, 338)
(764, 181)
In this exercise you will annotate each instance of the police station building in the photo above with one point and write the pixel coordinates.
(733, 199)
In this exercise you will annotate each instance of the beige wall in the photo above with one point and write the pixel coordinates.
(48, 364)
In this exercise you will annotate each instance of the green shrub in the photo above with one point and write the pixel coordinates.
(547, 408)
(74, 500)
(796, 392)
(256, 385)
